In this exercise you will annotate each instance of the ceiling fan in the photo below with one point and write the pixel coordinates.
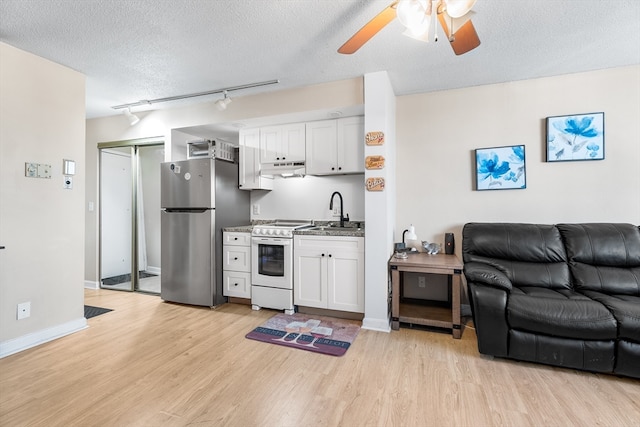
(416, 15)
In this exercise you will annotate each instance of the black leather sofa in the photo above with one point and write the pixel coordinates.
(564, 295)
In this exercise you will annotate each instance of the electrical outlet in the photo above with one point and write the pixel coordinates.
(24, 310)
(256, 209)
(422, 282)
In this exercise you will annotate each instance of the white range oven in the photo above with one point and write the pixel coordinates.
(272, 265)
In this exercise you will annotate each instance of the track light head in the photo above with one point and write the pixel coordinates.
(222, 104)
(133, 119)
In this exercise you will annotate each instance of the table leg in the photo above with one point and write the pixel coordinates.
(395, 299)
(455, 306)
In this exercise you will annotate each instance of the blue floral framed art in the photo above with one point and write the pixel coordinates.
(500, 168)
(576, 137)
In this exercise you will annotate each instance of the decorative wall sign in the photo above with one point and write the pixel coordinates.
(374, 138)
(500, 168)
(375, 184)
(374, 162)
(577, 137)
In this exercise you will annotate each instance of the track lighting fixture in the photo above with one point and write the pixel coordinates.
(133, 119)
(225, 101)
(221, 104)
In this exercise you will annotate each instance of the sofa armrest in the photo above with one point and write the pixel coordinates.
(485, 274)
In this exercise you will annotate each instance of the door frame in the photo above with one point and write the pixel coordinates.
(133, 144)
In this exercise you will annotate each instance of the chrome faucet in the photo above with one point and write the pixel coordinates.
(342, 217)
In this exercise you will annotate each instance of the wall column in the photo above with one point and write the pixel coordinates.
(380, 206)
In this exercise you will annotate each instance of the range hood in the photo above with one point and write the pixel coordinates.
(284, 169)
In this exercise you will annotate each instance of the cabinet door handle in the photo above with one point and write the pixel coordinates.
(329, 255)
(284, 158)
(340, 168)
(235, 284)
(322, 254)
(235, 238)
(235, 259)
(333, 169)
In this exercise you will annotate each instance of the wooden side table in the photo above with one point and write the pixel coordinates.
(440, 317)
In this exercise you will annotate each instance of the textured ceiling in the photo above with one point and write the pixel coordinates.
(132, 50)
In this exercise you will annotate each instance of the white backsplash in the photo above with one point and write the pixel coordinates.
(309, 197)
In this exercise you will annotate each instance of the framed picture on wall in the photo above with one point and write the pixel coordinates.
(575, 137)
(501, 168)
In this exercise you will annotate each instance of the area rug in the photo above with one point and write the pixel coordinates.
(91, 311)
(319, 334)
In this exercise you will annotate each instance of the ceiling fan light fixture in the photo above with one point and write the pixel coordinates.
(413, 14)
(459, 8)
(419, 33)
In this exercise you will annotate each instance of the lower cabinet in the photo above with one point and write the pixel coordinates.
(236, 264)
(329, 272)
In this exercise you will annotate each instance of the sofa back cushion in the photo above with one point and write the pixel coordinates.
(603, 257)
(528, 254)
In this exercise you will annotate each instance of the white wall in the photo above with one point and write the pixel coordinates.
(309, 197)
(437, 133)
(42, 110)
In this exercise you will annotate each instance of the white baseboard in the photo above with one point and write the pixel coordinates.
(380, 325)
(153, 270)
(33, 339)
(88, 284)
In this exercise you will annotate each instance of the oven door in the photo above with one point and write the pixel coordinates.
(272, 262)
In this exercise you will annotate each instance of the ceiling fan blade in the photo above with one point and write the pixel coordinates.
(464, 40)
(369, 30)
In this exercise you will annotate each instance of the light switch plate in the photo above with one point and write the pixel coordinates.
(44, 171)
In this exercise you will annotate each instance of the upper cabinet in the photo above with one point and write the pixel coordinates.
(285, 142)
(249, 172)
(326, 147)
(335, 146)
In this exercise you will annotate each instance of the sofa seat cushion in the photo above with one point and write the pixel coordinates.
(626, 310)
(560, 313)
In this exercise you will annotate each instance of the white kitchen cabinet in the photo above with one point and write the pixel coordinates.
(282, 142)
(335, 146)
(236, 264)
(249, 171)
(329, 272)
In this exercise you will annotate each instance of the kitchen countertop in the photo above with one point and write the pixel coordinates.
(239, 229)
(351, 230)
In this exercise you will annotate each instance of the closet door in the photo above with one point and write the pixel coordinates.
(116, 218)
(130, 217)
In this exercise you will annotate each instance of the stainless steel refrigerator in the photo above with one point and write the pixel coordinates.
(199, 197)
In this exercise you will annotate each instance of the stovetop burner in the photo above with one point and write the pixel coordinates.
(279, 228)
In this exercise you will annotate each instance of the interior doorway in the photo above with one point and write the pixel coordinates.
(130, 215)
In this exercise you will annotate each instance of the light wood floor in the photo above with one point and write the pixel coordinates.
(150, 363)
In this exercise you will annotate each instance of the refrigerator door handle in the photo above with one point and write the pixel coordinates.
(190, 210)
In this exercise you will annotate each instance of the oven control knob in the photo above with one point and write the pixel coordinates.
(276, 232)
(269, 231)
(257, 231)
